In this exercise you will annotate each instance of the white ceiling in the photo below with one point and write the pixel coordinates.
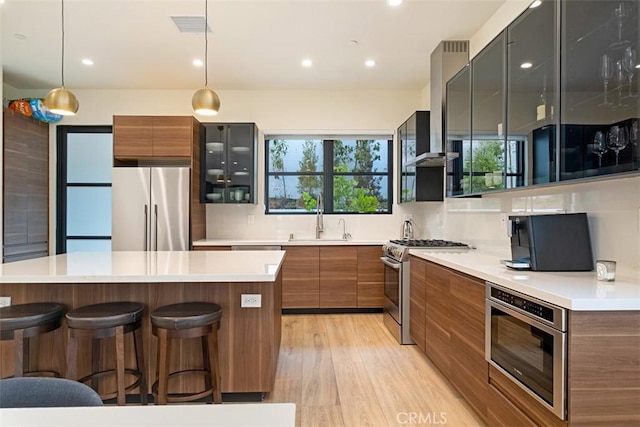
(254, 44)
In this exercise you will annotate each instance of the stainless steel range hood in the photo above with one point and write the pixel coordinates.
(446, 60)
(432, 160)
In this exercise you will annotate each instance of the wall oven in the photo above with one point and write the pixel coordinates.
(395, 258)
(526, 339)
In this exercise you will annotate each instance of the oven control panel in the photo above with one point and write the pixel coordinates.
(524, 304)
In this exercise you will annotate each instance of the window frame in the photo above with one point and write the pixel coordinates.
(327, 174)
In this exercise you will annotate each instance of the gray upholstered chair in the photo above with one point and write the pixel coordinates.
(38, 392)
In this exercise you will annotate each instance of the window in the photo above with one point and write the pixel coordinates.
(85, 158)
(354, 174)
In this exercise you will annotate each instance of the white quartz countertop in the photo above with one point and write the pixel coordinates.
(578, 291)
(285, 242)
(125, 266)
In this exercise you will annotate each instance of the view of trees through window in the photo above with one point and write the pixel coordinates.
(487, 168)
(353, 174)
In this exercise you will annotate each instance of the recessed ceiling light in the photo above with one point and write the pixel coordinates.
(638, 66)
(535, 4)
(19, 36)
(87, 61)
(198, 63)
(307, 63)
(526, 65)
(394, 2)
(1, 1)
(370, 63)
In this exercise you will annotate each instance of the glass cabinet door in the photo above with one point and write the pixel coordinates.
(531, 97)
(486, 163)
(599, 88)
(215, 164)
(458, 132)
(229, 162)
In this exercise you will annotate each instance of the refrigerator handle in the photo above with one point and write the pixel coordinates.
(155, 208)
(146, 215)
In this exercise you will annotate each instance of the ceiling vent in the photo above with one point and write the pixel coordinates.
(190, 24)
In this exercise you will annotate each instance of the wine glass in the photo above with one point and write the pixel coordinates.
(618, 139)
(629, 64)
(620, 13)
(606, 72)
(620, 80)
(599, 146)
(634, 132)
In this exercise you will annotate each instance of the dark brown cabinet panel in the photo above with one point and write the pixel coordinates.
(143, 137)
(437, 308)
(338, 276)
(300, 277)
(25, 187)
(370, 277)
(470, 375)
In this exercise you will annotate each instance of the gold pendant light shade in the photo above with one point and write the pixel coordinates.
(205, 102)
(62, 101)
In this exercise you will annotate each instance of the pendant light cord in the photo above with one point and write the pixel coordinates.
(206, 43)
(62, 42)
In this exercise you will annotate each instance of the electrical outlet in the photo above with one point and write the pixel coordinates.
(250, 219)
(251, 301)
(5, 301)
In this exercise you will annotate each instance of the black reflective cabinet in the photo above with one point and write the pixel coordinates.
(553, 98)
(229, 163)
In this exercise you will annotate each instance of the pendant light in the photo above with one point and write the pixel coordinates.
(61, 100)
(205, 101)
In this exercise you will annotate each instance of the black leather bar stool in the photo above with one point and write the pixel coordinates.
(111, 319)
(21, 322)
(187, 320)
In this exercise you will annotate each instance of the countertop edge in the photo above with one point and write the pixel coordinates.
(285, 242)
(561, 299)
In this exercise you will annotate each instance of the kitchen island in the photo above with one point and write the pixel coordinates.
(249, 338)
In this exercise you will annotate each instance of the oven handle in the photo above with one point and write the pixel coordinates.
(392, 264)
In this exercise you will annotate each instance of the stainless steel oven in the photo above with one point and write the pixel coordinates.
(526, 339)
(396, 298)
(396, 281)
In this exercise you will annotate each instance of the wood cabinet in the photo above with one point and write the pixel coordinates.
(25, 187)
(338, 276)
(143, 137)
(469, 372)
(437, 318)
(447, 322)
(417, 308)
(301, 277)
(329, 277)
(370, 277)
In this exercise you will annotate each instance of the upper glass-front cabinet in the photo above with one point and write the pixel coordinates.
(532, 70)
(458, 130)
(475, 124)
(599, 88)
(229, 163)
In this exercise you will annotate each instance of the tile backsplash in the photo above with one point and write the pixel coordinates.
(613, 208)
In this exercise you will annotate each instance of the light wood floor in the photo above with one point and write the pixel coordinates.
(348, 370)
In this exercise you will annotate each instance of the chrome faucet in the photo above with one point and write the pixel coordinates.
(345, 235)
(319, 212)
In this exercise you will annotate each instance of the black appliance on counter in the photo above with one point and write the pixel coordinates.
(557, 242)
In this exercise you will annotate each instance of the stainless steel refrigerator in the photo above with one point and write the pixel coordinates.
(150, 209)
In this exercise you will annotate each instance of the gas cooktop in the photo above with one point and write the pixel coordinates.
(428, 243)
